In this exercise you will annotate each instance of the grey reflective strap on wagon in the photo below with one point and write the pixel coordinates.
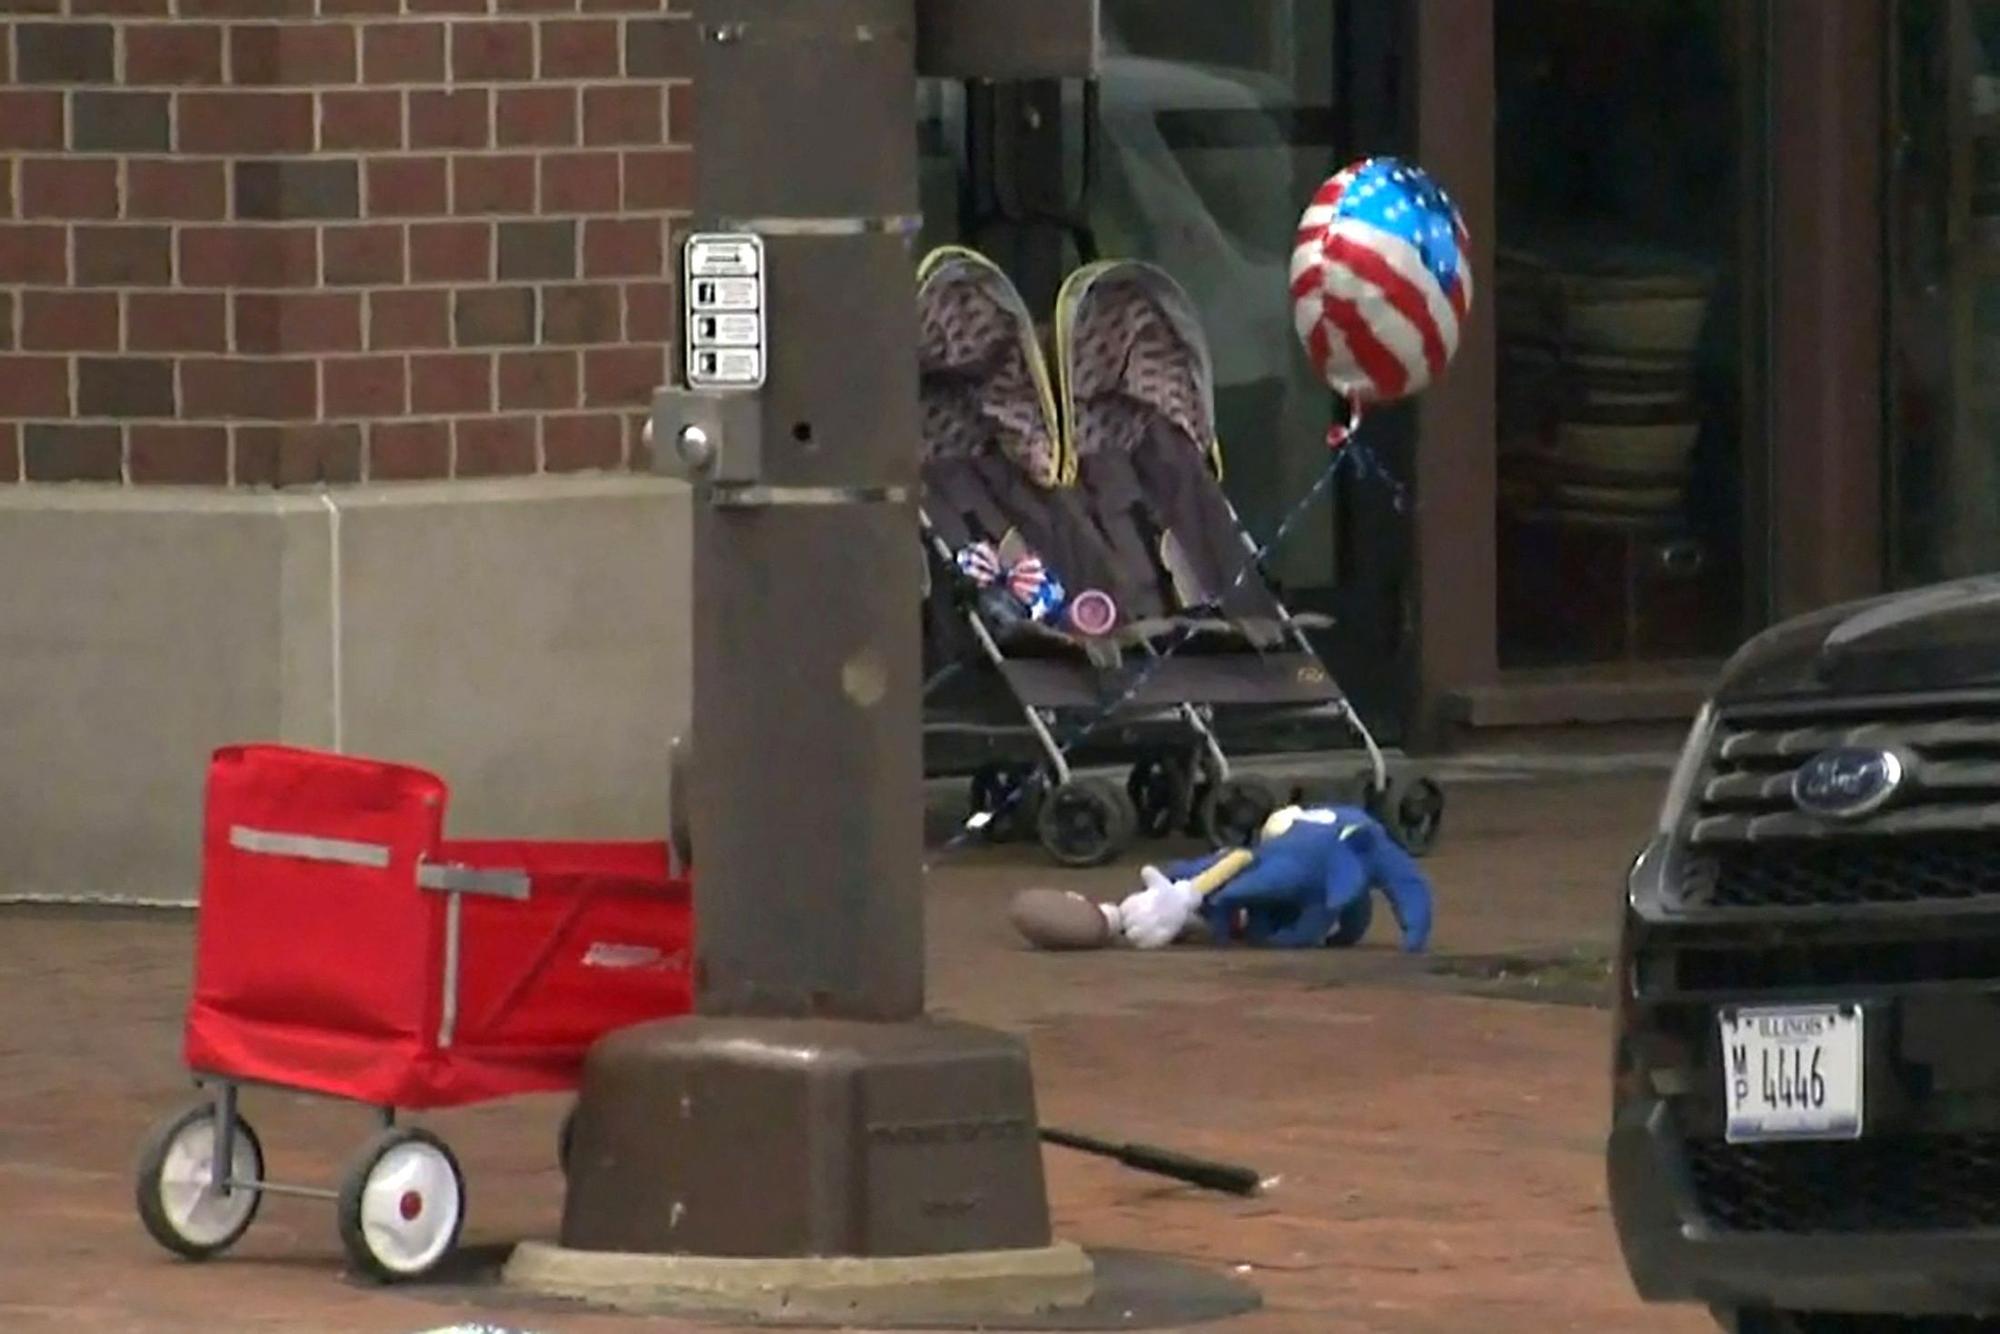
(309, 847)
(457, 882)
(449, 879)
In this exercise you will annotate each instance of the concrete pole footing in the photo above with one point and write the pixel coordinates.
(844, 1289)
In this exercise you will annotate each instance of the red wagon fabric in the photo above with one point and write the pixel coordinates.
(344, 946)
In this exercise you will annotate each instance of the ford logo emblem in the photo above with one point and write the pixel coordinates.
(1848, 783)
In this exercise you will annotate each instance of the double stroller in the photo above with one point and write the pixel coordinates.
(1090, 589)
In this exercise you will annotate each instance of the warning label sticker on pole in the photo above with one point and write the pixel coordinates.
(722, 280)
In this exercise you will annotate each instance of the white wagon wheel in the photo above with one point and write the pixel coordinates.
(177, 1198)
(402, 1205)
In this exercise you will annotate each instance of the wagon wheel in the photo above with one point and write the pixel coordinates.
(1087, 822)
(177, 1200)
(401, 1205)
(1234, 811)
(1162, 790)
(1010, 793)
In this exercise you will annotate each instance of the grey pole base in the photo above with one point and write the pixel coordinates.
(984, 1284)
(786, 1139)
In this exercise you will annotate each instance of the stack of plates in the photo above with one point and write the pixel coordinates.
(1598, 410)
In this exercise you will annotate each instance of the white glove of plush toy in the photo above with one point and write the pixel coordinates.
(1155, 916)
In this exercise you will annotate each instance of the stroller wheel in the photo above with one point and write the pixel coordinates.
(401, 1206)
(1010, 794)
(1162, 792)
(177, 1203)
(1416, 814)
(1198, 794)
(1087, 822)
(1234, 811)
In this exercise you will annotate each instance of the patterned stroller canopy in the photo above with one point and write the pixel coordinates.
(984, 383)
(1130, 352)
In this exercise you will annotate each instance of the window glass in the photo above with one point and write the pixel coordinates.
(1629, 197)
(1217, 125)
(940, 160)
(1944, 344)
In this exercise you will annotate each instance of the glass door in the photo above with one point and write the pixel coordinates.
(1630, 291)
(1944, 299)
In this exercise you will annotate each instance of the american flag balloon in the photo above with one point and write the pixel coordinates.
(1381, 280)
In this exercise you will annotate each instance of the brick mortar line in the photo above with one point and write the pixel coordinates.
(445, 156)
(318, 91)
(352, 289)
(539, 419)
(322, 19)
(364, 445)
(410, 418)
(364, 219)
(128, 353)
(224, 88)
(122, 23)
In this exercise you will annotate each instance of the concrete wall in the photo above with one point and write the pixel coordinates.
(525, 638)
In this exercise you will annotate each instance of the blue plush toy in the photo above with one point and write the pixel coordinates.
(1307, 882)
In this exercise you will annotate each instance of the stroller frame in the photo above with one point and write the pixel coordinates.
(1184, 779)
(1199, 719)
(1011, 797)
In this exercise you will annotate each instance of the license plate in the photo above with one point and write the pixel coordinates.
(1792, 1073)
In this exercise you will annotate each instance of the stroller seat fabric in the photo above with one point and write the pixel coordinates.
(993, 462)
(1138, 410)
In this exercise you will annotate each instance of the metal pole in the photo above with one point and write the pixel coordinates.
(806, 768)
(810, 1109)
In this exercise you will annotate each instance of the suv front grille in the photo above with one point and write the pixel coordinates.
(1843, 872)
(1925, 1183)
(1747, 845)
(1740, 969)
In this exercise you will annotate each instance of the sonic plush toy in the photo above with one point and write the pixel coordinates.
(1307, 882)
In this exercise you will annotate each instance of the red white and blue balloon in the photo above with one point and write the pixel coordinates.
(1381, 280)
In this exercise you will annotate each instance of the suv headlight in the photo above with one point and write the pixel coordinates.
(1687, 770)
(1646, 883)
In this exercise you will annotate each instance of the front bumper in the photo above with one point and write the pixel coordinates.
(1866, 1230)
(1673, 1254)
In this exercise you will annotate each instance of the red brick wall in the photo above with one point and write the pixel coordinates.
(357, 240)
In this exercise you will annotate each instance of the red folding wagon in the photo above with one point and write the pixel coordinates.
(345, 947)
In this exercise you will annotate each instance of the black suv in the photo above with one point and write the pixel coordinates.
(1806, 1112)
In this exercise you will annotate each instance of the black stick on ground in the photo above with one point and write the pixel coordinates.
(1229, 1178)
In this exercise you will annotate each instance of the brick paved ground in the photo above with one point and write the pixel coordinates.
(1438, 1153)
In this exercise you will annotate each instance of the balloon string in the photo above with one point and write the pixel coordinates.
(1341, 432)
